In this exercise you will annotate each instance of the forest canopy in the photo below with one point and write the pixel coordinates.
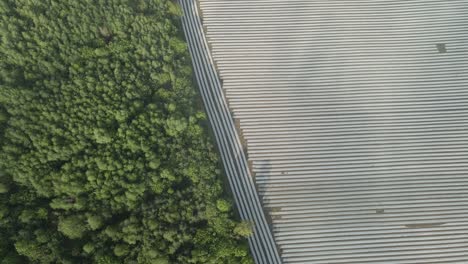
(104, 155)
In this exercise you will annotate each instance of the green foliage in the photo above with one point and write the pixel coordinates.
(72, 226)
(95, 222)
(104, 158)
(105, 259)
(8, 255)
(3, 188)
(121, 250)
(12, 258)
(223, 205)
(243, 229)
(88, 248)
(34, 251)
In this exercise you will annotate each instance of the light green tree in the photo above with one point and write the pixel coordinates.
(72, 226)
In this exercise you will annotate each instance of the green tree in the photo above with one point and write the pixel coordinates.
(102, 140)
(121, 250)
(95, 221)
(72, 226)
(243, 229)
(34, 251)
(223, 205)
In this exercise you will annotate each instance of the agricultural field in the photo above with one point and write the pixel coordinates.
(353, 116)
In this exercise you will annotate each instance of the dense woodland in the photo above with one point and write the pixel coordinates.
(105, 157)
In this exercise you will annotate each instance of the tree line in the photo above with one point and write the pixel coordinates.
(105, 156)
